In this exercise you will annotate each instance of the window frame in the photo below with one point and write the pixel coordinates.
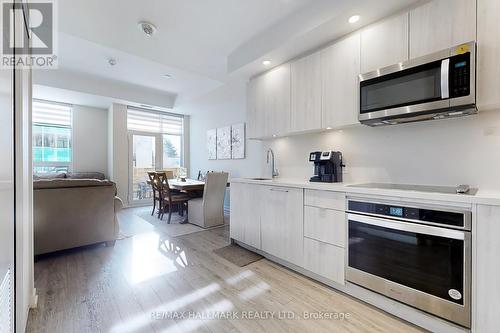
(41, 164)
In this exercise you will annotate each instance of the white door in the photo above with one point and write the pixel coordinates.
(144, 157)
(6, 202)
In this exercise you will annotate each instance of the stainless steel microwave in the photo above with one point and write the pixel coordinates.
(436, 86)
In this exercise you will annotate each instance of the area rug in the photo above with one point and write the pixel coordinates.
(175, 228)
(238, 255)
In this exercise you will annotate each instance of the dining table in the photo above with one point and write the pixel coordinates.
(189, 185)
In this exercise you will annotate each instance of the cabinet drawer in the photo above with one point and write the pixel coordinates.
(324, 259)
(325, 199)
(325, 225)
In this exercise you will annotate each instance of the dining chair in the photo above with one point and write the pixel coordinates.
(168, 198)
(208, 211)
(156, 192)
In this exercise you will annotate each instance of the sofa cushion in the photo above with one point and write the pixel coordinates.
(69, 183)
(86, 175)
(49, 176)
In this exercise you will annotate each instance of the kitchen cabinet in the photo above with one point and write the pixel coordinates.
(384, 43)
(340, 83)
(245, 217)
(269, 100)
(282, 223)
(306, 93)
(486, 289)
(441, 24)
(254, 131)
(325, 225)
(325, 260)
(488, 49)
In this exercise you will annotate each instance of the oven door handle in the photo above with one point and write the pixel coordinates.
(409, 227)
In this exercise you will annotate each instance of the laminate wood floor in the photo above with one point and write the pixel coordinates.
(151, 283)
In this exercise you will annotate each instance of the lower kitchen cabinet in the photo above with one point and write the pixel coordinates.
(245, 217)
(282, 225)
(486, 289)
(324, 259)
(326, 225)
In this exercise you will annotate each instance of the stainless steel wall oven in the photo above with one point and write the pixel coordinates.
(417, 254)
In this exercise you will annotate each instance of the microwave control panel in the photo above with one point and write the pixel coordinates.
(460, 75)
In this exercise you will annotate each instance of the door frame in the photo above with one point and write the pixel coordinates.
(158, 164)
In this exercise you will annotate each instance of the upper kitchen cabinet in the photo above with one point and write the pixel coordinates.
(306, 94)
(269, 103)
(488, 49)
(441, 24)
(384, 43)
(340, 83)
(253, 131)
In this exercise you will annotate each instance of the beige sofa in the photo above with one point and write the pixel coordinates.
(70, 213)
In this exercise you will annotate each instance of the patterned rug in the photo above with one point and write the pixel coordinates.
(139, 220)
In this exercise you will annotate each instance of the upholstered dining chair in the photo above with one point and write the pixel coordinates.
(168, 198)
(208, 211)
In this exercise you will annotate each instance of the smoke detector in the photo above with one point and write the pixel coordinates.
(148, 28)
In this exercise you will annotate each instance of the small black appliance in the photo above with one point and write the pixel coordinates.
(327, 166)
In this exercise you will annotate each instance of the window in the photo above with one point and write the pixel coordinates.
(155, 143)
(52, 146)
(169, 126)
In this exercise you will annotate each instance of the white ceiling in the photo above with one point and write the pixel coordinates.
(196, 38)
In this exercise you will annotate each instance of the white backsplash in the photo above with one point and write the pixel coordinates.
(446, 152)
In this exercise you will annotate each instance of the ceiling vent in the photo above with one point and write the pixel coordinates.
(148, 28)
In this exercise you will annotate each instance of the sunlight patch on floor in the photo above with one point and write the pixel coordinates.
(146, 260)
(235, 279)
(192, 325)
(254, 291)
(136, 323)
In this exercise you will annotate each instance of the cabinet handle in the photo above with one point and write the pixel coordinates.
(278, 190)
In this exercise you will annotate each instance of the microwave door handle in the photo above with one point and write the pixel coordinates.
(445, 79)
(408, 227)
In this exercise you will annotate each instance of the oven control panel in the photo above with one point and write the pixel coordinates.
(435, 216)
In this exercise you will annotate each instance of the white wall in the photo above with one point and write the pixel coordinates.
(222, 107)
(90, 139)
(118, 166)
(445, 152)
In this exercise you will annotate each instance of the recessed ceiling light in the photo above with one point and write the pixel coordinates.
(112, 61)
(353, 19)
(275, 135)
(148, 28)
(167, 76)
(266, 62)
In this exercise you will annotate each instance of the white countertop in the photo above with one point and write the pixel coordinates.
(481, 197)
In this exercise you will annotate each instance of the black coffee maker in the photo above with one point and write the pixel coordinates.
(327, 166)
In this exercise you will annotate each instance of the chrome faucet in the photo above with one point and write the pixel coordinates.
(275, 172)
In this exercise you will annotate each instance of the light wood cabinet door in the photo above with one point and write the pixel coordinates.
(245, 216)
(441, 24)
(306, 94)
(325, 260)
(486, 289)
(488, 49)
(273, 101)
(325, 225)
(282, 223)
(384, 43)
(340, 83)
(253, 128)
